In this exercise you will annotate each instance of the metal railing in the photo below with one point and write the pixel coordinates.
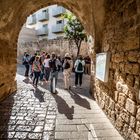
(42, 31)
(58, 28)
(42, 16)
(58, 11)
(31, 20)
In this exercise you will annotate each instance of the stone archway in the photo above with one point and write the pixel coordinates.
(13, 16)
(115, 25)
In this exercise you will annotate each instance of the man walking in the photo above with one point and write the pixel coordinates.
(54, 64)
(79, 70)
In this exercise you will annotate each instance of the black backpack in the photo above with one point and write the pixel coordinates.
(67, 65)
(52, 64)
(31, 60)
(80, 66)
(24, 62)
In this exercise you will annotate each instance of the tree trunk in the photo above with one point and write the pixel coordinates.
(78, 47)
(78, 51)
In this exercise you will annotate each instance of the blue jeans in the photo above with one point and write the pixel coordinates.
(47, 73)
(42, 72)
(36, 77)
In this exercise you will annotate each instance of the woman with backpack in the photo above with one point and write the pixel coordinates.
(36, 70)
(79, 70)
(67, 67)
(25, 62)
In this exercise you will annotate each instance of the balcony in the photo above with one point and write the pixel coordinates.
(42, 32)
(58, 11)
(58, 28)
(43, 16)
(31, 20)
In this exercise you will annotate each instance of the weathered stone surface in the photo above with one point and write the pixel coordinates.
(119, 123)
(132, 122)
(133, 56)
(138, 127)
(130, 80)
(116, 95)
(138, 114)
(125, 116)
(130, 106)
(116, 25)
(121, 99)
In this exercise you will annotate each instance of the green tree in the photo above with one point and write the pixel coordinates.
(74, 30)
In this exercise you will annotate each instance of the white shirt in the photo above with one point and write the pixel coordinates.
(76, 65)
(46, 63)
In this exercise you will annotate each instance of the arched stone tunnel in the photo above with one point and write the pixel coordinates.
(115, 26)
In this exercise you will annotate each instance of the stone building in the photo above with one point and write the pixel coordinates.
(115, 25)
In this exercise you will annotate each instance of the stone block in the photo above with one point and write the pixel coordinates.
(128, 68)
(125, 129)
(132, 9)
(111, 105)
(132, 94)
(119, 86)
(119, 123)
(135, 69)
(125, 89)
(113, 115)
(121, 67)
(133, 56)
(116, 95)
(138, 127)
(130, 80)
(131, 43)
(119, 57)
(125, 116)
(132, 122)
(137, 83)
(138, 114)
(130, 106)
(122, 99)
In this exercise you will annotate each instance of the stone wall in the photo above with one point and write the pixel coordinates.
(119, 96)
(59, 46)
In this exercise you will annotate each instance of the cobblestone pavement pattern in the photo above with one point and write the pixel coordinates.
(37, 114)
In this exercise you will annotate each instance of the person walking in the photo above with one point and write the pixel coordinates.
(67, 66)
(79, 70)
(53, 63)
(42, 58)
(87, 65)
(47, 67)
(25, 62)
(36, 70)
(32, 59)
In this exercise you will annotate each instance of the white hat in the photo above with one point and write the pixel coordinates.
(67, 55)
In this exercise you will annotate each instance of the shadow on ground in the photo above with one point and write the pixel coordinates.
(79, 100)
(38, 94)
(63, 107)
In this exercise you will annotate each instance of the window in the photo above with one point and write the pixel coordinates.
(59, 22)
(45, 11)
(34, 18)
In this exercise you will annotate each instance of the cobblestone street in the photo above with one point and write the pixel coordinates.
(37, 114)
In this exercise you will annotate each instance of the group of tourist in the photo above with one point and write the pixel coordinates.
(45, 66)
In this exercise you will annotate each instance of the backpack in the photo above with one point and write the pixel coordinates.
(52, 64)
(24, 62)
(80, 66)
(31, 60)
(67, 65)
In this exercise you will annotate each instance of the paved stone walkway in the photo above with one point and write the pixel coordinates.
(37, 114)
